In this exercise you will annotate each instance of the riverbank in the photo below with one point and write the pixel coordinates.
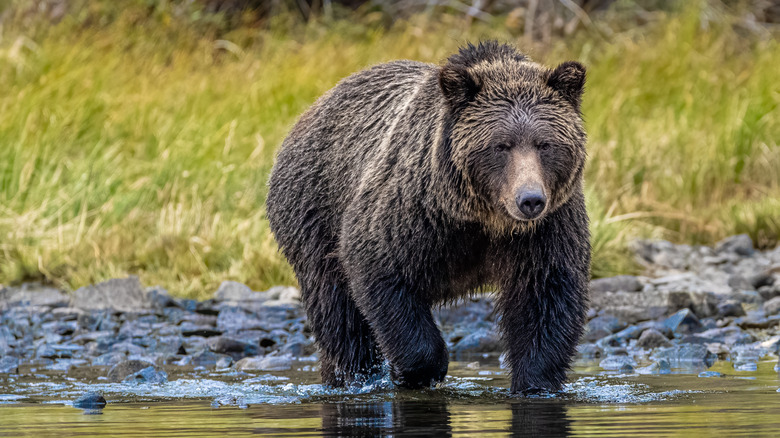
(693, 306)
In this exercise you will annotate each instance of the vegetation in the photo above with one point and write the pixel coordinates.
(139, 141)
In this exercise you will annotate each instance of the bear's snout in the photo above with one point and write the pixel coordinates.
(531, 202)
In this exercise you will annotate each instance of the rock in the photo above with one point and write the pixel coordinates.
(601, 326)
(233, 347)
(660, 366)
(90, 400)
(772, 307)
(738, 282)
(233, 319)
(683, 322)
(466, 312)
(624, 283)
(147, 375)
(33, 295)
(481, 341)
(652, 338)
(768, 292)
(205, 331)
(126, 368)
(205, 358)
(224, 362)
(233, 291)
(757, 321)
(159, 298)
(740, 244)
(168, 345)
(686, 356)
(762, 279)
(730, 308)
(298, 345)
(745, 359)
(613, 363)
(264, 363)
(9, 365)
(635, 307)
(589, 351)
(281, 295)
(108, 359)
(122, 294)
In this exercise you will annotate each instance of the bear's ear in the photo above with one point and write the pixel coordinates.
(458, 85)
(569, 80)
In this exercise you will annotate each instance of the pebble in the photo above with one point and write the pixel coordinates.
(692, 303)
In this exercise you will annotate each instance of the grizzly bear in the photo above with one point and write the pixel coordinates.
(410, 185)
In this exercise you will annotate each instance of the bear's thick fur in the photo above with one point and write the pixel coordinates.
(410, 184)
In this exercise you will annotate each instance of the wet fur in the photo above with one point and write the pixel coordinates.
(386, 198)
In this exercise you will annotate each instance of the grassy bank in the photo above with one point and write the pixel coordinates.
(143, 144)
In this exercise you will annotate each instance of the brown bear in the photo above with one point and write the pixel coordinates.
(410, 184)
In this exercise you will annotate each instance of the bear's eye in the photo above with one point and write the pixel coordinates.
(501, 147)
(544, 146)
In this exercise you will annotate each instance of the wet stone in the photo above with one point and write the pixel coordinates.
(612, 363)
(728, 335)
(684, 321)
(205, 331)
(601, 326)
(652, 338)
(686, 356)
(757, 321)
(589, 351)
(233, 347)
(660, 366)
(481, 341)
(149, 374)
(298, 345)
(730, 308)
(264, 363)
(126, 368)
(206, 359)
(9, 365)
(745, 359)
(233, 319)
(90, 400)
(108, 359)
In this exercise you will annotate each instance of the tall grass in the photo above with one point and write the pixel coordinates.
(142, 143)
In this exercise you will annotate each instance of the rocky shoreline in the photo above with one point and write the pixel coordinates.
(693, 306)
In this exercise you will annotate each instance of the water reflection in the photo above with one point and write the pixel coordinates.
(430, 418)
(537, 417)
(540, 418)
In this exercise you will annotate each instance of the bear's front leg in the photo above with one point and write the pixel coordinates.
(405, 330)
(543, 306)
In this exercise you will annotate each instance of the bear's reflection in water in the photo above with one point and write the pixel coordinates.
(439, 418)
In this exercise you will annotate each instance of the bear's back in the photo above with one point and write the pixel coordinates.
(338, 141)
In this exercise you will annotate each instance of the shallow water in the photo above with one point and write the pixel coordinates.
(473, 400)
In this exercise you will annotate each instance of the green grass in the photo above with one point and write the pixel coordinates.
(142, 143)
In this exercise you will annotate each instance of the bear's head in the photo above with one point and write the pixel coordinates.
(516, 136)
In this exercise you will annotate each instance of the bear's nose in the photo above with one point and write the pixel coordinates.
(531, 202)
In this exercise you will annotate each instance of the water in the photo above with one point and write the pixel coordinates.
(473, 401)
